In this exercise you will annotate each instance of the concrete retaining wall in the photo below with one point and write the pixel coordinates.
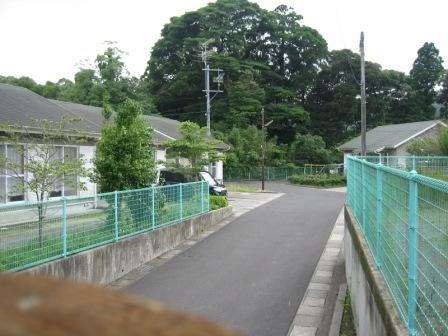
(373, 308)
(107, 263)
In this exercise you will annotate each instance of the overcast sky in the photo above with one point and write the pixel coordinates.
(47, 39)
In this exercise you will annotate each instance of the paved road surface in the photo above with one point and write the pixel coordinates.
(252, 274)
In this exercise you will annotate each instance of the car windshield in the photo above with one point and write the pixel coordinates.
(208, 178)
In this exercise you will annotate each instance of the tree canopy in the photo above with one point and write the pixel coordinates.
(271, 60)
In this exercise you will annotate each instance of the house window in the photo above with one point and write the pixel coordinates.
(68, 187)
(11, 180)
(70, 184)
(55, 156)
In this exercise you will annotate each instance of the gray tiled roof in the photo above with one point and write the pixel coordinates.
(164, 128)
(19, 106)
(389, 136)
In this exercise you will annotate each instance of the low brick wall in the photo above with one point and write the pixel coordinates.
(107, 263)
(373, 308)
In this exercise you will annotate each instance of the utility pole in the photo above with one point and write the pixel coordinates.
(363, 97)
(218, 80)
(263, 147)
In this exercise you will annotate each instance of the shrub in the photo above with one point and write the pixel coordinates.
(218, 202)
(318, 180)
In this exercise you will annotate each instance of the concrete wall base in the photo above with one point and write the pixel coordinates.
(107, 263)
(373, 308)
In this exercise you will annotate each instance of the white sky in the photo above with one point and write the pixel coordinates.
(46, 39)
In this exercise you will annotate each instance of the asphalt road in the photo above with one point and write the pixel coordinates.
(251, 275)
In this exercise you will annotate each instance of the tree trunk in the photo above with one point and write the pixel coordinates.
(40, 210)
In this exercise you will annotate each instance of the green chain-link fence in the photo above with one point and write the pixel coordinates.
(32, 233)
(279, 173)
(404, 217)
(432, 166)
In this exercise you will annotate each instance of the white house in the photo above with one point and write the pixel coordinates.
(392, 140)
(19, 106)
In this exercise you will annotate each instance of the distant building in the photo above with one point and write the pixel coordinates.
(19, 106)
(392, 139)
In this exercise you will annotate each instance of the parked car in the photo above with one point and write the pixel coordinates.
(168, 177)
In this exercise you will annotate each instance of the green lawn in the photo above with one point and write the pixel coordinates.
(235, 187)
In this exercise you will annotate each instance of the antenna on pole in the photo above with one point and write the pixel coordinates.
(363, 96)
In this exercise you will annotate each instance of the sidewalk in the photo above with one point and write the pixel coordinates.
(314, 316)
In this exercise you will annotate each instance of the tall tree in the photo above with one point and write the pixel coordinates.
(424, 76)
(269, 59)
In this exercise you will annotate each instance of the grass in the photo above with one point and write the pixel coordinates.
(21, 247)
(235, 187)
(319, 180)
(347, 323)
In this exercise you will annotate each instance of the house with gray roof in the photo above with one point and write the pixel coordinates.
(20, 106)
(393, 140)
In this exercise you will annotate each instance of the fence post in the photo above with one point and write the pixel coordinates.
(379, 214)
(64, 227)
(202, 197)
(286, 174)
(363, 194)
(153, 208)
(412, 239)
(181, 201)
(116, 214)
(413, 163)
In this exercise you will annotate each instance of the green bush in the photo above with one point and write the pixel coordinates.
(218, 202)
(318, 180)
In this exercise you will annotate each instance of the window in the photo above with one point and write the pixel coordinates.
(70, 182)
(68, 187)
(11, 180)
(57, 188)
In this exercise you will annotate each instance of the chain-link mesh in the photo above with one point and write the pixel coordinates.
(36, 232)
(279, 173)
(404, 217)
(431, 166)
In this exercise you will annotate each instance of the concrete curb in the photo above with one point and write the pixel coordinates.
(311, 310)
(336, 320)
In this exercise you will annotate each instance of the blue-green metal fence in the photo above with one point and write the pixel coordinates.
(404, 217)
(432, 166)
(32, 233)
(280, 173)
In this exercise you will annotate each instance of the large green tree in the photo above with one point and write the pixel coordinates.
(269, 59)
(124, 157)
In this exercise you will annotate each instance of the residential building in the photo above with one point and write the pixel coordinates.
(392, 140)
(19, 106)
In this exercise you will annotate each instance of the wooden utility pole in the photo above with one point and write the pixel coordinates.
(363, 97)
